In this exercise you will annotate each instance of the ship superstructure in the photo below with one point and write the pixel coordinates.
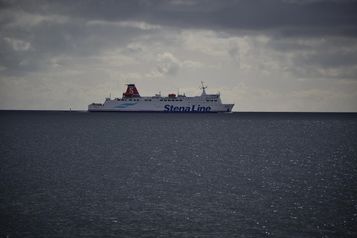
(131, 101)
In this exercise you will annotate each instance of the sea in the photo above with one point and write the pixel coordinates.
(81, 174)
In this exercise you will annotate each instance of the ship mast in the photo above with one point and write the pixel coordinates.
(203, 89)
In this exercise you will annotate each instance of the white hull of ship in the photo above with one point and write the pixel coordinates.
(155, 105)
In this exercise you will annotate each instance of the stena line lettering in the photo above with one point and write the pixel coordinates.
(193, 108)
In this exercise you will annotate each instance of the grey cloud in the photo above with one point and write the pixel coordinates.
(234, 53)
(168, 64)
(30, 40)
(32, 32)
(320, 16)
(334, 57)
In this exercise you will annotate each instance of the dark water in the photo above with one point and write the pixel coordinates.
(178, 175)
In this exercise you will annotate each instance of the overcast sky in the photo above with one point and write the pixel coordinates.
(262, 55)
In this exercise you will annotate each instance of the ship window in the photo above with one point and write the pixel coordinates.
(129, 99)
(160, 99)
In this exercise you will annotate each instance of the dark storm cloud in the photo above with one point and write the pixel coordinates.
(287, 18)
(320, 16)
(32, 32)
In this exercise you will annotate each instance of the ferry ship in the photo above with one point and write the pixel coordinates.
(131, 101)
